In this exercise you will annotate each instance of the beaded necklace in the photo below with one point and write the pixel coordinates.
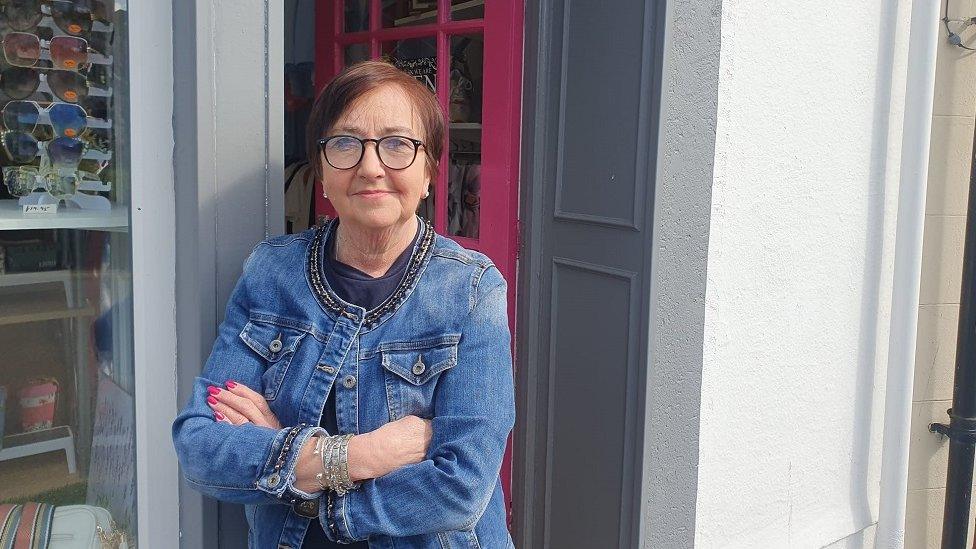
(329, 302)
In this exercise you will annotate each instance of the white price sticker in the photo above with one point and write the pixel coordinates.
(44, 209)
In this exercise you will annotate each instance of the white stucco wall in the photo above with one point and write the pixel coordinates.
(798, 289)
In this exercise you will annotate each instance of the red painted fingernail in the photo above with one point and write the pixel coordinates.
(213, 390)
(219, 416)
(212, 401)
(231, 384)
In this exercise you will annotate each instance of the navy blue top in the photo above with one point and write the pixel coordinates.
(358, 288)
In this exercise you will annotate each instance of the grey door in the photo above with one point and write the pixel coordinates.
(588, 165)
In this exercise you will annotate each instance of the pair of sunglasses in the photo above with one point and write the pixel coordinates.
(22, 82)
(73, 17)
(68, 119)
(63, 152)
(23, 180)
(23, 49)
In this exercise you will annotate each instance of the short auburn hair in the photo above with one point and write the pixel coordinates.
(356, 81)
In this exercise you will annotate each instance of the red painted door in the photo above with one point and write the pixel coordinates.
(469, 52)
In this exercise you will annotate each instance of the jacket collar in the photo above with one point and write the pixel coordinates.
(333, 304)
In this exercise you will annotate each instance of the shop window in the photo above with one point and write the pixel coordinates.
(67, 432)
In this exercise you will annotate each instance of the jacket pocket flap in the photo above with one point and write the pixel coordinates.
(418, 366)
(270, 340)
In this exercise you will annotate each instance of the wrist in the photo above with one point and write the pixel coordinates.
(363, 458)
(306, 468)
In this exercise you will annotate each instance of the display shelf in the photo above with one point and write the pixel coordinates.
(35, 277)
(20, 307)
(12, 218)
(431, 15)
(32, 443)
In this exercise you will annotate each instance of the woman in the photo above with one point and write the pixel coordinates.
(360, 388)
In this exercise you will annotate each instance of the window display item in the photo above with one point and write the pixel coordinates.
(65, 152)
(68, 119)
(22, 148)
(61, 185)
(30, 256)
(69, 86)
(72, 16)
(20, 180)
(38, 400)
(23, 49)
(44, 526)
(19, 82)
(22, 15)
(27, 525)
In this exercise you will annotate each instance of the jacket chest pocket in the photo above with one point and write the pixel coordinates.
(276, 345)
(411, 371)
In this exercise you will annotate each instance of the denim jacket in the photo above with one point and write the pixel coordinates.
(438, 348)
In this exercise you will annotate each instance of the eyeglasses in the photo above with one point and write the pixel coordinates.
(23, 180)
(62, 152)
(343, 152)
(71, 16)
(68, 119)
(23, 49)
(22, 82)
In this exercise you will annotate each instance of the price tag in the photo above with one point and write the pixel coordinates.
(40, 209)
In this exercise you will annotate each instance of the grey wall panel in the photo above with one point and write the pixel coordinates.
(229, 167)
(686, 151)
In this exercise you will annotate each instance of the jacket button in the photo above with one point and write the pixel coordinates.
(273, 480)
(326, 368)
(419, 367)
(349, 382)
(275, 345)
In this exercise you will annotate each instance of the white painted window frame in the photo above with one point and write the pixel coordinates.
(153, 224)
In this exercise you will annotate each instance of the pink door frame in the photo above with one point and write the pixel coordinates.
(501, 116)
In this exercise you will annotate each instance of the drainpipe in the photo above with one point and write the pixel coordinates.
(919, 93)
(961, 429)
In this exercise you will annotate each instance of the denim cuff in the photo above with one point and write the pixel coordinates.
(332, 516)
(278, 476)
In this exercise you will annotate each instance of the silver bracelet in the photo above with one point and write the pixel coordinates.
(334, 454)
(319, 446)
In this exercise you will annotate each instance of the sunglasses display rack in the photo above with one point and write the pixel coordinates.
(45, 46)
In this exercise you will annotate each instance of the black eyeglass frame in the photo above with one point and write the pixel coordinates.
(362, 149)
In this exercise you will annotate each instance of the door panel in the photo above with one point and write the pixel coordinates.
(586, 275)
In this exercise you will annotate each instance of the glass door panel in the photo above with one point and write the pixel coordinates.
(67, 434)
(464, 132)
(405, 13)
(467, 9)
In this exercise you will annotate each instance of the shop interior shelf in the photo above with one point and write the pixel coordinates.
(12, 218)
(36, 303)
(457, 10)
(465, 126)
(40, 442)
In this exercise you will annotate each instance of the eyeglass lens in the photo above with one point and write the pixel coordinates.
(343, 152)
(65, 152)
(21, 146)
(72, 16)
(19, 82)
(20, 116)
(22, 14)
(20, 180)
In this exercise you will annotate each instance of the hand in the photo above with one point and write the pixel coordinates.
(238, 404)
(398, 443)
